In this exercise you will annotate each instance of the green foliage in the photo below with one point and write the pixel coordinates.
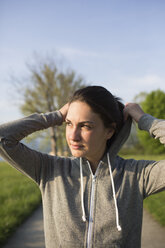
(155, 204)
(19, 196)
(154, 104)
(149, 144)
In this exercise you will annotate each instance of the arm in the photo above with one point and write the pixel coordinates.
(156, 127)
(23, 158)
(153, 175)
(17, 130)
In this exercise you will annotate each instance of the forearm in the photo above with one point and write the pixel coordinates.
(26, 160)
(16, 130)
(145, 122)
(156, 127)
(154, 172)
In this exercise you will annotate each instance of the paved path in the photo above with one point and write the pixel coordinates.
(30, 234)
(153, 235)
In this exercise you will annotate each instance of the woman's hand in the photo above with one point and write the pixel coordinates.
(64, 110)
(133, 110)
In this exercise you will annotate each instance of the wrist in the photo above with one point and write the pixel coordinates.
(138, 116)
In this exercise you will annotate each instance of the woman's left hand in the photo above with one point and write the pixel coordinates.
(133, 110)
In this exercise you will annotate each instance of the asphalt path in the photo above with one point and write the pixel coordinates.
(30, 234)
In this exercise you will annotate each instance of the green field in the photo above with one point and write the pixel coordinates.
(155, 204)
(19, 196)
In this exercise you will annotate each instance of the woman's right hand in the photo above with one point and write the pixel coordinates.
(134, 110)
(64, 110)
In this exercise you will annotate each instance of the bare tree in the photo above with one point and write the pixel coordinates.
(47, 90)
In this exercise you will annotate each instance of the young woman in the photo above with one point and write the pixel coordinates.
(95, 198)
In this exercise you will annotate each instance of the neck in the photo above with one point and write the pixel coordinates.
(95, 162)
(94, 165)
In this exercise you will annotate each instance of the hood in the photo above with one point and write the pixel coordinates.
(120, 139)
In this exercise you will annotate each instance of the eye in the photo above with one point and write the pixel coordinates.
(87, 127)
(68, 123)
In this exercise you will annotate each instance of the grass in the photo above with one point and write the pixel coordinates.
(19, 196)
(145, 157)
(155, 204)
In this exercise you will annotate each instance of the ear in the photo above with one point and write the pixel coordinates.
(111, 130)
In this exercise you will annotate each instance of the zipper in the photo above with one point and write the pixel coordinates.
(92, 199)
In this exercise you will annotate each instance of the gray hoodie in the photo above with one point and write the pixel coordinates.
(82, 209)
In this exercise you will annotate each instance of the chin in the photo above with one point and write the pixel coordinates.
(77, 154)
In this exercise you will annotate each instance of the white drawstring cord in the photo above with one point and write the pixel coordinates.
(113, 189)
(82, 192)
(114, 195)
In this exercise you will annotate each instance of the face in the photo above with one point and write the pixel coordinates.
(85, 132)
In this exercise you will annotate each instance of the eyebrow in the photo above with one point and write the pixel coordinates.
(82, 122)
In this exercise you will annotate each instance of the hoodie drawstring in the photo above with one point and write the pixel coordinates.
(82, 192)
(113, 189)
(114, 195)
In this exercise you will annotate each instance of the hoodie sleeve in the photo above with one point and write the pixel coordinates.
(156, 127)
(26, 160)
(154, 172)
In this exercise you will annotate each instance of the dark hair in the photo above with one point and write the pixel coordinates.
(102, 102)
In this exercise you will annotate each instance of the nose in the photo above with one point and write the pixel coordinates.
(75, 134)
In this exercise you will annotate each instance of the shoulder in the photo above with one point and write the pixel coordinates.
(64, 164)
(132, 164)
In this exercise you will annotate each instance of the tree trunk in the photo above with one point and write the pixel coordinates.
(53, 141)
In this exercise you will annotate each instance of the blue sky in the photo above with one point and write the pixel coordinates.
(115, 43)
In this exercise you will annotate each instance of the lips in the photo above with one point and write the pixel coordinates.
(76, 146)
